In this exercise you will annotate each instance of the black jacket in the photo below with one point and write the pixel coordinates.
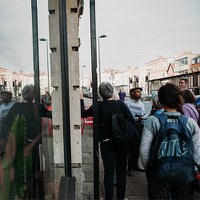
(106, 109)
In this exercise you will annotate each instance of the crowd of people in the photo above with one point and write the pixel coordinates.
(174, 103)
(123, 159)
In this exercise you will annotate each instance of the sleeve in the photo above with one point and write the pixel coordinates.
(186, 110)
(194, 129)
(86, 113)
(151, 127)
(145, 146)
(144, 111)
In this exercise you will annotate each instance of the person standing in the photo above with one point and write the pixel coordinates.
(122, 95)
(47, 99)
(171, 100)
(183, 83)
(188, 107)
(5, 107)
(136, 108)
(114, 154)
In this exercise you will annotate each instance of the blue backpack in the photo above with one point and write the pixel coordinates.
(172, 150)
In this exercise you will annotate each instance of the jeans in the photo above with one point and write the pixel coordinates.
(114, 155)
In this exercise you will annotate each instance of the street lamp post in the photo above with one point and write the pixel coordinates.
(45, 40)
(101, 36)
(82, 75)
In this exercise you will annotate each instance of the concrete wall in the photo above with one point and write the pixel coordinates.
(74, 9)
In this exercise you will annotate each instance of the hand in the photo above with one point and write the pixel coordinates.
(81, 95)
(140, 118)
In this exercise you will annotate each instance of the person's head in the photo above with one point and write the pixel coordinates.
(183, 83)
(188, 96)
(169, 96)
(47, 93)
(136, 93)
(28, 93)
(156, 104)
(6, 96)
(106, 90)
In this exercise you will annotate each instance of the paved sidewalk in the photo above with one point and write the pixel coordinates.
(136, 185)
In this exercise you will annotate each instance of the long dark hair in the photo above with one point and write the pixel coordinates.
(169, 96)
(188, 96)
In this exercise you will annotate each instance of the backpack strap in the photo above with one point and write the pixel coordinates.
(183, 119)
(161, 117)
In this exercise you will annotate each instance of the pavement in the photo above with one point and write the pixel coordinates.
(136, 188)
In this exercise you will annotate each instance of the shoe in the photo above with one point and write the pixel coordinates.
(137, 168)
(129, 172)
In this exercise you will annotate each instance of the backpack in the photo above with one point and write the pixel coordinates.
(122, 130)
(172, 150)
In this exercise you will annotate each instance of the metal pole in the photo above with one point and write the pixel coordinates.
(48, 65)
(35, 51)
(95, 98)
(36, 73)
(82, 75)
(99, 61)
(65, 87)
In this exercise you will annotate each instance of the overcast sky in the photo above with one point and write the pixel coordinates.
(137, 31)
(140, 30)
(16, 34)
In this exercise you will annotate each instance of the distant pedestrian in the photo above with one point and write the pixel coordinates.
(188, 107)
(6, 97)
(114, 154)
(47, 99)
(136, 107)
(4, 109)
(122, 95)
(183, 83)
(171, 100)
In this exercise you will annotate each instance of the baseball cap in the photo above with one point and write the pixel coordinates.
(136, 88)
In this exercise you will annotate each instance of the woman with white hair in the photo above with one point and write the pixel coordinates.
(114, 154)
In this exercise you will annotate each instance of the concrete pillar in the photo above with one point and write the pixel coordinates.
(74, 10)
